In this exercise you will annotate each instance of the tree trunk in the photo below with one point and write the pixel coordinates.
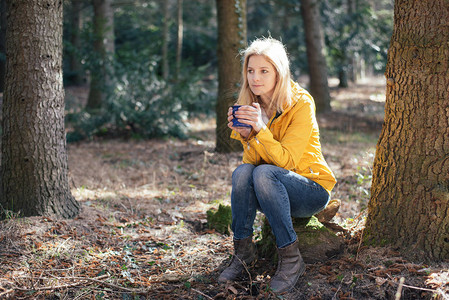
(104, 49)
(343, 78)
(75, 38)
(33, 173)
(180, 37)
(2, 44)
(409, 205)
(319, 88)
(231, 15)
(343, 73)
(165, 41)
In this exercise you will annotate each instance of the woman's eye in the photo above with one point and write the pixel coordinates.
(264, 71)
(250, 71)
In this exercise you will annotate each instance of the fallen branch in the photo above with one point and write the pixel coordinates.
(47, 288)
(83, 281)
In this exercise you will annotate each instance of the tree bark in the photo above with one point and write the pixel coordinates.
(104, 49)
(409, 205)
(34, 178)
(231, 15)
(2, 44)
(319, 88)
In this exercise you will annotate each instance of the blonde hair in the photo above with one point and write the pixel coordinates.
(274, 52)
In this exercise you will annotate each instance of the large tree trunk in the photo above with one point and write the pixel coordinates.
(319, 87)
(34, 177)
(231, 15)
(104, 50)
(409, 205)
(2, 44)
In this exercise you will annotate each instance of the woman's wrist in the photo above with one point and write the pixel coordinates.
(250, 136)
(259, 127)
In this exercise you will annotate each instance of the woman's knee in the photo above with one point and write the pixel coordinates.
(242, 174)
(264, 175)
(265, 181)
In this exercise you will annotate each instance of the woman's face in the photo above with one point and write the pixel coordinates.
(261, 77)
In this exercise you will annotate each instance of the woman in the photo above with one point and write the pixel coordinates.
(284, 173)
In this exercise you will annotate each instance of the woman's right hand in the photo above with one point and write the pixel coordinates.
(244, 131)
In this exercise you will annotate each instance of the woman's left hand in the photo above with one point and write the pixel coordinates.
(243, 131)
(251, 115)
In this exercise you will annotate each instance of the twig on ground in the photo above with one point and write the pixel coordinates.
(249, 274)
(80, 296)
(46, 288)
(418, 288)
(406, 285)
(335, 295)
(201, 293)
(6, 292)
(96, 280)
(360, 244)
(399, 290)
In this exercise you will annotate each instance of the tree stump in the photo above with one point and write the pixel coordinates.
(317, 243)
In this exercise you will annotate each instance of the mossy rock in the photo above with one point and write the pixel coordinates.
(317, 243)
(220, 219)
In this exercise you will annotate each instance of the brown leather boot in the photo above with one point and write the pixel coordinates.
(244, 253)
(290, 268)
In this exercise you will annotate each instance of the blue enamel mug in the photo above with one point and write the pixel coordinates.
(235, 121)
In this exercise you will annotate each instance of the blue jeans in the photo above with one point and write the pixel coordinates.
(279, 194)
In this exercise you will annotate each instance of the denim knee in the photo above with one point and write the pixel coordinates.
(264, 177)
(242, 175)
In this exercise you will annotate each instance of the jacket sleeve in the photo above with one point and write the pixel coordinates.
(287, 152)
(249, 154)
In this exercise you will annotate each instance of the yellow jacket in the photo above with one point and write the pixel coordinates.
(291, 141)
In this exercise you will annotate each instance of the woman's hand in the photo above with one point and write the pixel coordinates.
(244, 131)
(247, 114)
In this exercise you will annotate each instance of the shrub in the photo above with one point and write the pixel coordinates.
(143, 105)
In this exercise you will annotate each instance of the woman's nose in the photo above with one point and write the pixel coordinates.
(256, 77)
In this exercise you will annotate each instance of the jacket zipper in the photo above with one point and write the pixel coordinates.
(255, 153)
(258, 142)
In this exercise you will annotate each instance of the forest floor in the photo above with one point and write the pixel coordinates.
(142, 232)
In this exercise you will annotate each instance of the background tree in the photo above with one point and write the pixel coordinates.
(318, 87)
(282, 20)
(357, 36)
(104, 48)
(231, 16)
(409, 203)
(75, 74)
(2, 44)
(180, 38)
(34, 159)
(166, 39)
